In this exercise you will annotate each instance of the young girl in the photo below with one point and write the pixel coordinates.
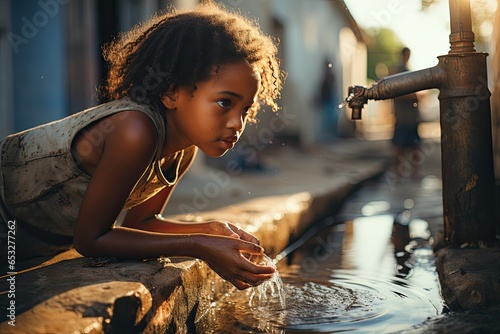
(180, 82)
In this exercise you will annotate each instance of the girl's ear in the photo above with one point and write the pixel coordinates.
(169, 99)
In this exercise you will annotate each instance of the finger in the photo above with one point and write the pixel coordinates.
(244, 235)
(241, 285)
(237, 282)
(234, 232)
(249, 279)
(263, 270)
(224, 228)
(249, 237)
(257, 269)
(250, 247)
(254, 280)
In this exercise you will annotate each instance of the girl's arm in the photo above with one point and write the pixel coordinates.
(144, 217)
(127, 151)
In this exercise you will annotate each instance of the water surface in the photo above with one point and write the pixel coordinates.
(373, 274)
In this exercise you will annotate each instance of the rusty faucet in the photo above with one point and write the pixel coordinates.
(394, 86)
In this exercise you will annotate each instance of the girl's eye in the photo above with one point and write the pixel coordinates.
(224, 103)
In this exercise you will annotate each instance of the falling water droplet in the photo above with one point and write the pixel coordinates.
(409, 203)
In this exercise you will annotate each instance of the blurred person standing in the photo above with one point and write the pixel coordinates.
(328, 120)
(406, 139)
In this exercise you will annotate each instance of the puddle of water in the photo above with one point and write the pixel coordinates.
(365, 276)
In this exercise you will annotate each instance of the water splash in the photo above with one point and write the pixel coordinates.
(270, 292)
(342, 104)
(346, 100)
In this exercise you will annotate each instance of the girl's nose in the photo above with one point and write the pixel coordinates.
(236, 121)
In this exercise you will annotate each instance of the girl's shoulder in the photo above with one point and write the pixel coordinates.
(122, 104)
(126, 112)
(124, 123)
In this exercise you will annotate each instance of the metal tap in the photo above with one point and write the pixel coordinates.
(394, 86)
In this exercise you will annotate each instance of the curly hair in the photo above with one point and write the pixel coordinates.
(180, 48)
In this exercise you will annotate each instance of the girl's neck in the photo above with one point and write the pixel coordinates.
(174, 141)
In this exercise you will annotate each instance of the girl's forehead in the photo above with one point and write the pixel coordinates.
(239, 78)
(240, 68)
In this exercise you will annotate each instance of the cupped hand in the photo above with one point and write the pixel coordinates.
(226, 256)
(225, 228)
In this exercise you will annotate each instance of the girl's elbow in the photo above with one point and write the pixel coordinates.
(84, 248)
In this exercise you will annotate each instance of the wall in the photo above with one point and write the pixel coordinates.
(494, 79)
(6, 122)
(38, 49)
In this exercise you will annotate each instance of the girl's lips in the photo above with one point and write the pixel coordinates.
(227, 144)
(233, 139)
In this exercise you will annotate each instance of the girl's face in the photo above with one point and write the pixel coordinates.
(213, 116)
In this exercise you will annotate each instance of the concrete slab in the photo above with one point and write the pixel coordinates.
(470, 277)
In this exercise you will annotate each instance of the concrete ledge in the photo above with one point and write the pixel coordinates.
(470, 278)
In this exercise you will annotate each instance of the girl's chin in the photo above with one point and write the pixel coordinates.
(214, 153)
(218, 150)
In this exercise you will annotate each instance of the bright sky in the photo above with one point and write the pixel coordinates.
(425, 32)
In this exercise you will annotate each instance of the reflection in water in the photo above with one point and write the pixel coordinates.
(375, 207)
(408, 203)
(370, 275)
(402, 250)
(431, 182)
(367, 243)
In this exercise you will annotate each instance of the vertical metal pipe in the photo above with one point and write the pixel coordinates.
(466, 138)
(461, 36)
